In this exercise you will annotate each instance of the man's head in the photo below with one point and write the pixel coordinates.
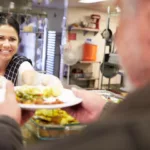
(133, 40)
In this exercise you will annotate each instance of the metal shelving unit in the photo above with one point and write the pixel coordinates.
(89, 80)
(86, 79)
(88, 62)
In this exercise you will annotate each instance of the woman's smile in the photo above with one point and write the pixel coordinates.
(5, 52)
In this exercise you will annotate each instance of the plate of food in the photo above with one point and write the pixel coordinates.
(43, 97)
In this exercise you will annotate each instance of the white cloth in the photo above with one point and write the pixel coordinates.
(40, 78)
(25, 66)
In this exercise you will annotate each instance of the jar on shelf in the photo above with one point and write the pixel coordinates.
(89, 51)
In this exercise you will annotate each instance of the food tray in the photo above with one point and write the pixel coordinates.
(116, 98)
(50, 132)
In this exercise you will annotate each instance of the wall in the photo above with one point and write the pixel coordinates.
(55, 17)
(55, 22)
(75, 15)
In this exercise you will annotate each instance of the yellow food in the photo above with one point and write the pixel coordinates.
(29, 95)
(55, 91)
(36, 95)
(56, 116)
(47, 92)
(51, 92)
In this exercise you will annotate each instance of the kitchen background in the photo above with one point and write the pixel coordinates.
(53, 29)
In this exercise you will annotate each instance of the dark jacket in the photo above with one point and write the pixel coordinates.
(10, 135)
(125, 127)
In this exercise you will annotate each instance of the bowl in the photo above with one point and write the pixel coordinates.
(50, 132)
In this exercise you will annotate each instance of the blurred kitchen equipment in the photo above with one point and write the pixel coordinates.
(95, 21)
(113, 58)
(107, 34)
(108, 68)
(83, 24)
(88, 74)
(77, 73)
(89, 51)
(70, 58)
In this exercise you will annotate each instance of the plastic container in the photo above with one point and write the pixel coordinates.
(89, 51)
(51, 132)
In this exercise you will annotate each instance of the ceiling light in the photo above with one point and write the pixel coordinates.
(91, 1)
(44, 12)
(11, 5)
(1, 9)
(39, 1)
(108, 9)
(29, 4)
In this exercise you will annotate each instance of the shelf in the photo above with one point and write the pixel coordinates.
(40, 40)
(85, 79)
(88, 62)
(90, 88)
(31, 32)
(85, 30)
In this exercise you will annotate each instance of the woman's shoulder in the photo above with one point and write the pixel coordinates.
(17, 58)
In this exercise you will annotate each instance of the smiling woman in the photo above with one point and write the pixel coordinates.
(10, 62)
(17, 68)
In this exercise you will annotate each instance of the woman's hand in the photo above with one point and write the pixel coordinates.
(34, 78)
(29, 77)
(3, 81)
(50, 80)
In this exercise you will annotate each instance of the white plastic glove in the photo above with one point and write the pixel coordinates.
(3, 81)
(50, 80)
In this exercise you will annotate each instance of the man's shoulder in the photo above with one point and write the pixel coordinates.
(136, 102)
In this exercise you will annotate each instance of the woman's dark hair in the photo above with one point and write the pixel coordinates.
(10, 20)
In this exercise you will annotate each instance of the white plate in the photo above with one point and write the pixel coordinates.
(67, 97)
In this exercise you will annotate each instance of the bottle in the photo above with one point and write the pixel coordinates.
(89, 51)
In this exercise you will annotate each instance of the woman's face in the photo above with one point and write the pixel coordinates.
(9, 42)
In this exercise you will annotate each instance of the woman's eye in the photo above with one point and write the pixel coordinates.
(12, 39)
(1, 38)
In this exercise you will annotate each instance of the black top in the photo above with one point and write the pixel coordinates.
(13, 66)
